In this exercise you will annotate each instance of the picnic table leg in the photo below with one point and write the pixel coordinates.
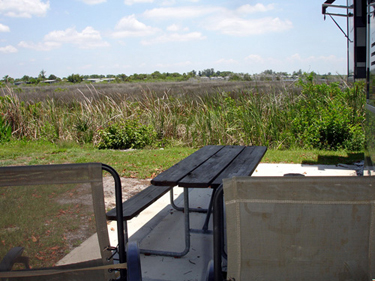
(181, 209)
(218, 222)
(187, 233)
(209, 211)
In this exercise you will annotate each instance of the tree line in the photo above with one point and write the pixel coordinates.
(155, 76)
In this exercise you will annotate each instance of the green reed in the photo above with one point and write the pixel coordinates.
(305, 114)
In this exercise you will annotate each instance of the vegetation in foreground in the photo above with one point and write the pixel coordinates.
(308, 115)
(145, 163)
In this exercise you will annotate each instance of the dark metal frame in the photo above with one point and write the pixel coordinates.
(218, 220)
(119, 214)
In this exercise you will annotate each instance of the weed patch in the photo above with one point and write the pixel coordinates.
(307, 114)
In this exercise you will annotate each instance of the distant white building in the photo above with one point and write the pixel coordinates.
(98, 80)
(49, 81)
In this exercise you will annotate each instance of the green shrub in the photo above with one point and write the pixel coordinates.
(129, 134)
(5, 130)
(83, 130)
(327, 117)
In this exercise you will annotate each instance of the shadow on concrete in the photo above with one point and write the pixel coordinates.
(351, 158)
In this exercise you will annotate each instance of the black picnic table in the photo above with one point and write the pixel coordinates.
(206, 168)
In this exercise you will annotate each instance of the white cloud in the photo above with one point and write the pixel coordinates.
(131, 27)
(248, 9)
(24, 8)
(173, 27)
(180, 12)
(42, 46)
(168, 2)
(244, 27)
(175, 37)
(176, 27)
(131, 2)
(93, 2)
(227, 21)
(8, 49)
(4, 28)
(87, 39)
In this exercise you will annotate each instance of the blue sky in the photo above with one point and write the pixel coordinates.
(143, 36)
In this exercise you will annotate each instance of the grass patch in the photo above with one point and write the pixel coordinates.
(146, 163)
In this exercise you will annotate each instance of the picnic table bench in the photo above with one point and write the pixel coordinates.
(137, 203)
(205, 168)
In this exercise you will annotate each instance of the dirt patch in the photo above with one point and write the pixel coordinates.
(130, 187)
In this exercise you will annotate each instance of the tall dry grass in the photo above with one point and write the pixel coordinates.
(252, 115)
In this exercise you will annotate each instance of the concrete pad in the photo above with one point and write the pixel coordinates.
(271, 170)
(88, 250)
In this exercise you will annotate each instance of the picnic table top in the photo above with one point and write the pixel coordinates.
(208, 166)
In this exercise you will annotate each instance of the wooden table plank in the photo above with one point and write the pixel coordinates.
(175, 173)
(203, 175)
(243, 165)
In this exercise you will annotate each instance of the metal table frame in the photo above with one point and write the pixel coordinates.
(205, 168)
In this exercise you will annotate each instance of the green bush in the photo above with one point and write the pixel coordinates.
(327, 117)
(5, 130)
(129, 134)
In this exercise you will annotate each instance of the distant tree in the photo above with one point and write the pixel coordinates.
(42, 75)
(33, 80)
(7, 79)
(52, 77)
(235, 77)
(208, 72)
(225, 73)
(156, 75)
(283, 73)
(121, 77)
(26, 78)
(298, 73)
(175, 74)
(192, 73)
(247, 77)
(268, 72)
(75, 78)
